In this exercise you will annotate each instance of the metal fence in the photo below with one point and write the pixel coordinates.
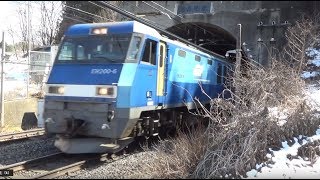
(23, 79)
(24, 85)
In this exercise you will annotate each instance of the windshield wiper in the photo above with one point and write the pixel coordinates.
(104, 57)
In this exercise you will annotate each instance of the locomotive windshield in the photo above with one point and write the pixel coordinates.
(112, 48)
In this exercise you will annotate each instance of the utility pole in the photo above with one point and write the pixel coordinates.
(2, 79)
(238, 58)
(28, 64)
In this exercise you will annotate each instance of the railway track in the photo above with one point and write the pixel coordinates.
(21, 135)
(50, 166)
(59, 164)
(73, 167)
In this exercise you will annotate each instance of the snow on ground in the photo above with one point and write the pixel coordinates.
(315, 54)
(296, 168)
(307, 74)
(283, 168)
(288, 169)
(15, 82)
(313, 96)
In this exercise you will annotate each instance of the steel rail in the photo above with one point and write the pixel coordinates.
(70, 168)
(24, 164)
(22, 135)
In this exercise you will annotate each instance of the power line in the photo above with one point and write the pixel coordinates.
(165, 9)
(98, 6)
(178, 16)
(124, 12)
(78, 17)
(103, 7)
(179, 21)
(74, 19)
(148, 19)
(88, 13)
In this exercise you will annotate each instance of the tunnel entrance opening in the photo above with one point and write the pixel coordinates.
(206, 35)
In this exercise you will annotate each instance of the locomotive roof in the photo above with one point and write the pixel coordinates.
(128, 27)
(113, 27)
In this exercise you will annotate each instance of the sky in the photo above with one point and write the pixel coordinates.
(8, 16)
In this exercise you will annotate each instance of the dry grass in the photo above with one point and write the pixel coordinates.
(10, 129)
(178, 157)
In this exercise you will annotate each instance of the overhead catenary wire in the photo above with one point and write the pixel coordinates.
(82, 18)
(174, 19)
(181, 17)
(148, 19)
(161, 30)
(176, 15)
(71, 18)
(130, 4)
(88, 13)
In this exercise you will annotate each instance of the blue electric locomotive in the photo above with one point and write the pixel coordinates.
(111, 82)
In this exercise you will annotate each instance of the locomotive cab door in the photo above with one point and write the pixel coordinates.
(161, 71)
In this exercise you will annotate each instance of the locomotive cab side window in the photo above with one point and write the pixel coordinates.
(149, 54)
(66, 52)
(134, 48)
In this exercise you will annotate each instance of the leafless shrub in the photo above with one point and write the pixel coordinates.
(302, 121)
(310, 151)
(303, 35)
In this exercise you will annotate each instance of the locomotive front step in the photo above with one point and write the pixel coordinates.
(91, 145)
(111, 146)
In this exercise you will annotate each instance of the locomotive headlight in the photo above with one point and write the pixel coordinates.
(99, 30)
(105, 91)
(56, 89)
(60, 90)
(102, 91)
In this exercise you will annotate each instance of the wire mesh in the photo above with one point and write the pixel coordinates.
(20, 95)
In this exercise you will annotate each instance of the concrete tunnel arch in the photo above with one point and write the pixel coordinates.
(206, 35)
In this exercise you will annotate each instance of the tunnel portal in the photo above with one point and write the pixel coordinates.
(206, 35)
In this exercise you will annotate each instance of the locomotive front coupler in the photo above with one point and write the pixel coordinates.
(111, 111)
(74, 125)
